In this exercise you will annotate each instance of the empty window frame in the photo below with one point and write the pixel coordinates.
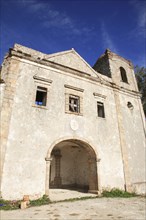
(100, 110)
(74, 103)
(123, 75)
(41, 96)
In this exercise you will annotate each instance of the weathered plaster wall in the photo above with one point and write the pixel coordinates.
(9, 73)
(32, 134)
(74, 166)
(2, 89)
(135, 141)
(132, 126)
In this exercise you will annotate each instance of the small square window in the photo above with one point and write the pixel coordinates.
(41, 96)
(100, 110)
(74, 104)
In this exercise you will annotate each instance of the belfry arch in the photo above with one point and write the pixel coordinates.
(72, 164)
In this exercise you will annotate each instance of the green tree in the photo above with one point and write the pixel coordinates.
(140, 73)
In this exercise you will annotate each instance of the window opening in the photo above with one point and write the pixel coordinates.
(123, 75)
(41, 96)
(100, 110)
(74, 104)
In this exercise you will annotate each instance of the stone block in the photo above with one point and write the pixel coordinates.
(23, 205)
(26, 198)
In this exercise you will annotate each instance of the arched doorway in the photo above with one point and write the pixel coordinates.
(72, 165)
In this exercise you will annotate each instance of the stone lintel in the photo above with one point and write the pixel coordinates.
(74, 88)
(99, 95)
(42, 79)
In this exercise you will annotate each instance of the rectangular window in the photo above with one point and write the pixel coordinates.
(100, 110)
(74, 103)
(41, 96)
(73, 100)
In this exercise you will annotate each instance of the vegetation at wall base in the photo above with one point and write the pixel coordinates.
(42, 201)
(77, 199)
(114, 193)
(12, 205)
(15, 204)
(9, 205)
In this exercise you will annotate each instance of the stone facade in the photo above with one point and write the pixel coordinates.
(65, 124)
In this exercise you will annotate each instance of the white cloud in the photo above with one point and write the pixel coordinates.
(35, 7)
(140, 10)
(51, 18)
(107, 41)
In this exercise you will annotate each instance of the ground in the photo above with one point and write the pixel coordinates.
(92, 209)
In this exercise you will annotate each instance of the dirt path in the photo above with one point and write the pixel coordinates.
(99, 208)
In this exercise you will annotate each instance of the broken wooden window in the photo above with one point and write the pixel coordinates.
(100, 110)
(74, 103)
(123, 75)
(41, 96)
(73, 100)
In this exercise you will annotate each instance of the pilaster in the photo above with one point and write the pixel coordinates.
(48, 163)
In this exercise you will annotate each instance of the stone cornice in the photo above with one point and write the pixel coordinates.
(125, 90)
(81, 74)
(112, 55)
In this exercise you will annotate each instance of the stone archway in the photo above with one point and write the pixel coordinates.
(72, 164)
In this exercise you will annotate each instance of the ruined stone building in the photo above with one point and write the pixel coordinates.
(65, 124)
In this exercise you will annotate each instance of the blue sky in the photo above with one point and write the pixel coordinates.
(87, 26)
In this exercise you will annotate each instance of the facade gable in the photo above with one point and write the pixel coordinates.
(73, 60)
(68, 58)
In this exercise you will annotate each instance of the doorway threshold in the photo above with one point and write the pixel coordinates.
(66, 194)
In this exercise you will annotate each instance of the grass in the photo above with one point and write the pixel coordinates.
(76, 199)
(9, 205)
(42, 201)
(114, 193)
(12, 205)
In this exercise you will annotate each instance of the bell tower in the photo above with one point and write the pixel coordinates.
(130, 116)
(117, 68)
